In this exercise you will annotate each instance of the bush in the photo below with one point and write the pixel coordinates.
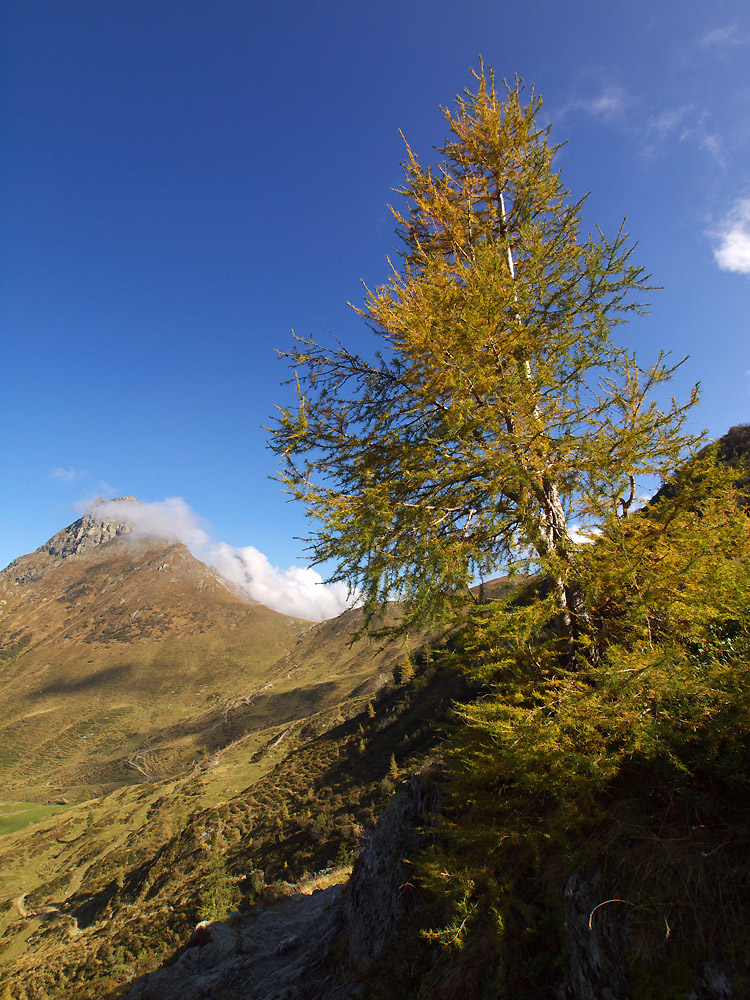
(637, 757)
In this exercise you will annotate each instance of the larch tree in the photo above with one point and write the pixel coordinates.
(498, 410)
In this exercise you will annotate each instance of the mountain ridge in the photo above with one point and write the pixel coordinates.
(118, 648)
(149, 713)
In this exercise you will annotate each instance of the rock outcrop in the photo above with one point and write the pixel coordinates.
(714, 984)
(378, 889)
(596, 939)
(273, 954)
(86, 533)
(284, 951)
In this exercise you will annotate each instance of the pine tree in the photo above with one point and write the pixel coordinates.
(218, 890)
(404, 671)
(498, 410)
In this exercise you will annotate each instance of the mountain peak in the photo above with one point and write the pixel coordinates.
(86, 533)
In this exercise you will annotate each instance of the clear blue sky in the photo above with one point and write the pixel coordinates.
(184, 182)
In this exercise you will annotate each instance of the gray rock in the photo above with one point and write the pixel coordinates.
(380, 877)
(281, 951)
(715, 984)
(82, 535)
(85, 533)
(596, 934)
(273, 954)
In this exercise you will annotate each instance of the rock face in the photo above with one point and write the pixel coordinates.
(82, 535)
(714, 984)
(377, 887)
(596, 938)
(85, 533)
(283, 951)
(274, 954)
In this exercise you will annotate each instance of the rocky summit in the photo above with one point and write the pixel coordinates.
(82, 535)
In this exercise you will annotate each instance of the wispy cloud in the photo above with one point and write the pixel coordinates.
(608, 101)
(653, 120)
(703, 135)
(732, 239)
(724, 37)
(298, 590)
(657, 128)
(667, 121)
(105, 489)
(648, 126)
(68, 475)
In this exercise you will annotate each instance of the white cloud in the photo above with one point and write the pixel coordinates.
(68, 475)
(732, 236)
(297, 591)
(171, 519)
(581, 535)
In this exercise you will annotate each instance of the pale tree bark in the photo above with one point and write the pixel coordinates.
(554, 535)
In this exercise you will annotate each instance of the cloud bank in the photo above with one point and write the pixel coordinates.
(732, 249)
(298, 591)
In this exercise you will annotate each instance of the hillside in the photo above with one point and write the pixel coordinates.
(138, 685)
(586, 819)
(107, 643)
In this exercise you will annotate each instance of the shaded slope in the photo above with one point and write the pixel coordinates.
(733, 450)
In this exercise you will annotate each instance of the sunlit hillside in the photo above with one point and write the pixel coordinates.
(142, 695)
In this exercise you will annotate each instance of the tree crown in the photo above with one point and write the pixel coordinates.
(498, 408)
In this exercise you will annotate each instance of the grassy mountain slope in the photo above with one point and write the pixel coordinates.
(148, 711)
(104, 654)
(106, 889)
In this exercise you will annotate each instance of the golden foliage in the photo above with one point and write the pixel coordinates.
(498, 407)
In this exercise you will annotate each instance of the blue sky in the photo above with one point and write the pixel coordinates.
(184, 183)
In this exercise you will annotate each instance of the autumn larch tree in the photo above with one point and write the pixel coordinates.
(498, 411)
